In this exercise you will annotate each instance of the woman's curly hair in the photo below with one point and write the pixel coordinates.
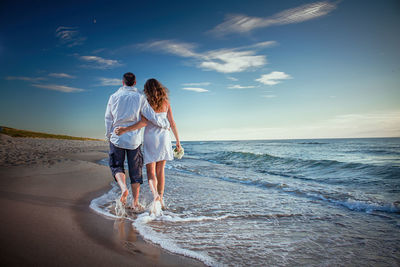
(156, 94)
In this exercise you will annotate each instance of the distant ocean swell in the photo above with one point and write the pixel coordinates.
(243, 159)
(341, 199)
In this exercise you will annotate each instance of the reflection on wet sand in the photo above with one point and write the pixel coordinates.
(129, 238)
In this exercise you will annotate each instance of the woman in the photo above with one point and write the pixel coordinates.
(157, 141)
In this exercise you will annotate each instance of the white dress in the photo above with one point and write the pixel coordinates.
(157, 144)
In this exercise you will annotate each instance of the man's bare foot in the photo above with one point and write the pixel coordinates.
(124, 196)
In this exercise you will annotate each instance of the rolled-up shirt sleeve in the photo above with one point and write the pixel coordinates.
(150, 114)
(108, 119)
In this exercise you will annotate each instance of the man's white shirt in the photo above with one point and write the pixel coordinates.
(124, 108)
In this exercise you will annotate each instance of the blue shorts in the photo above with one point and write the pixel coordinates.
(135, 162)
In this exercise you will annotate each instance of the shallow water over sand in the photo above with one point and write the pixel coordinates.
(279, 203)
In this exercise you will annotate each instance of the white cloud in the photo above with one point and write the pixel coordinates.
(197, 84)
(23, 78)
(260, 45)
(195, 89)
(60, 88)
(96, 62)
(61, 75)
(110, 81)
(171, 47)
(222, 60)
(273, 78)
(230, 61)
(232, 78)
(244, 24)
(69, 36)
(237, 86)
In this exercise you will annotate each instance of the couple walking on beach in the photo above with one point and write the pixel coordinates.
(127, 112)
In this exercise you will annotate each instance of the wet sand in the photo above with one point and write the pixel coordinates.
(46, 217)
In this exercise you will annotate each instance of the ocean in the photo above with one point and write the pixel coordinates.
(320, 202)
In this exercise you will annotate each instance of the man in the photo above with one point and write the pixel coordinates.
(125, 107)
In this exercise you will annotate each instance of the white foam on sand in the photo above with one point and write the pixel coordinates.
(155, 208)
(103, 204)
(106, 203)
(141, 225)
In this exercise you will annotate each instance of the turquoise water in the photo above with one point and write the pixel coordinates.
(279, 203)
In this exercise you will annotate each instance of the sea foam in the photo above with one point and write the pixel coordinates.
(104, 206)
(141, 225)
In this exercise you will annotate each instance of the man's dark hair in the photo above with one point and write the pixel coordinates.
(129, 79)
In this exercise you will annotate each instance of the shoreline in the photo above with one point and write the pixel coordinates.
(48, 220)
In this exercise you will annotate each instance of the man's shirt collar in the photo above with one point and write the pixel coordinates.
(130, 88)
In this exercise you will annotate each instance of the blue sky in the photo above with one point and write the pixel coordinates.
(235, 69)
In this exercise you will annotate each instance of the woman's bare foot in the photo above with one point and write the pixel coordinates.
(124, 196)
(136, 208)
(162, 204)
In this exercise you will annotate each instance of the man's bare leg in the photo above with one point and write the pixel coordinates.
(151, 177)
(160, 180)
(120, 176)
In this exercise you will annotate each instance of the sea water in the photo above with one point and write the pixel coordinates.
(278, 203)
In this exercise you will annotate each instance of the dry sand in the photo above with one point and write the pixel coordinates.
(46, 186)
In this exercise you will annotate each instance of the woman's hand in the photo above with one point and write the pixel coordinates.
(120, 130)
(144, 121)
(178, 146)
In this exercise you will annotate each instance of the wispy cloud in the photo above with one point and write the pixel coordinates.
(268, 96)
(259, 45)
(60, 88)
(172, 47)
(229, 60)
(244, 24)
(273, 78)
(96, 62)
(110, 81)
(237, 86)
(61, 75)
(232, 78)
(69, 36)
(23, 78)
(197, 84)
(96, 51)
(195, 89)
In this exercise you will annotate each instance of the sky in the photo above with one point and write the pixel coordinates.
(235, 70)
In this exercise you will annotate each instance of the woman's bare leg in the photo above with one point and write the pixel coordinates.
(160, 165)
(151, 177)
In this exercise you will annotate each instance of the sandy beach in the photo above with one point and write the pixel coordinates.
(46, 187)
